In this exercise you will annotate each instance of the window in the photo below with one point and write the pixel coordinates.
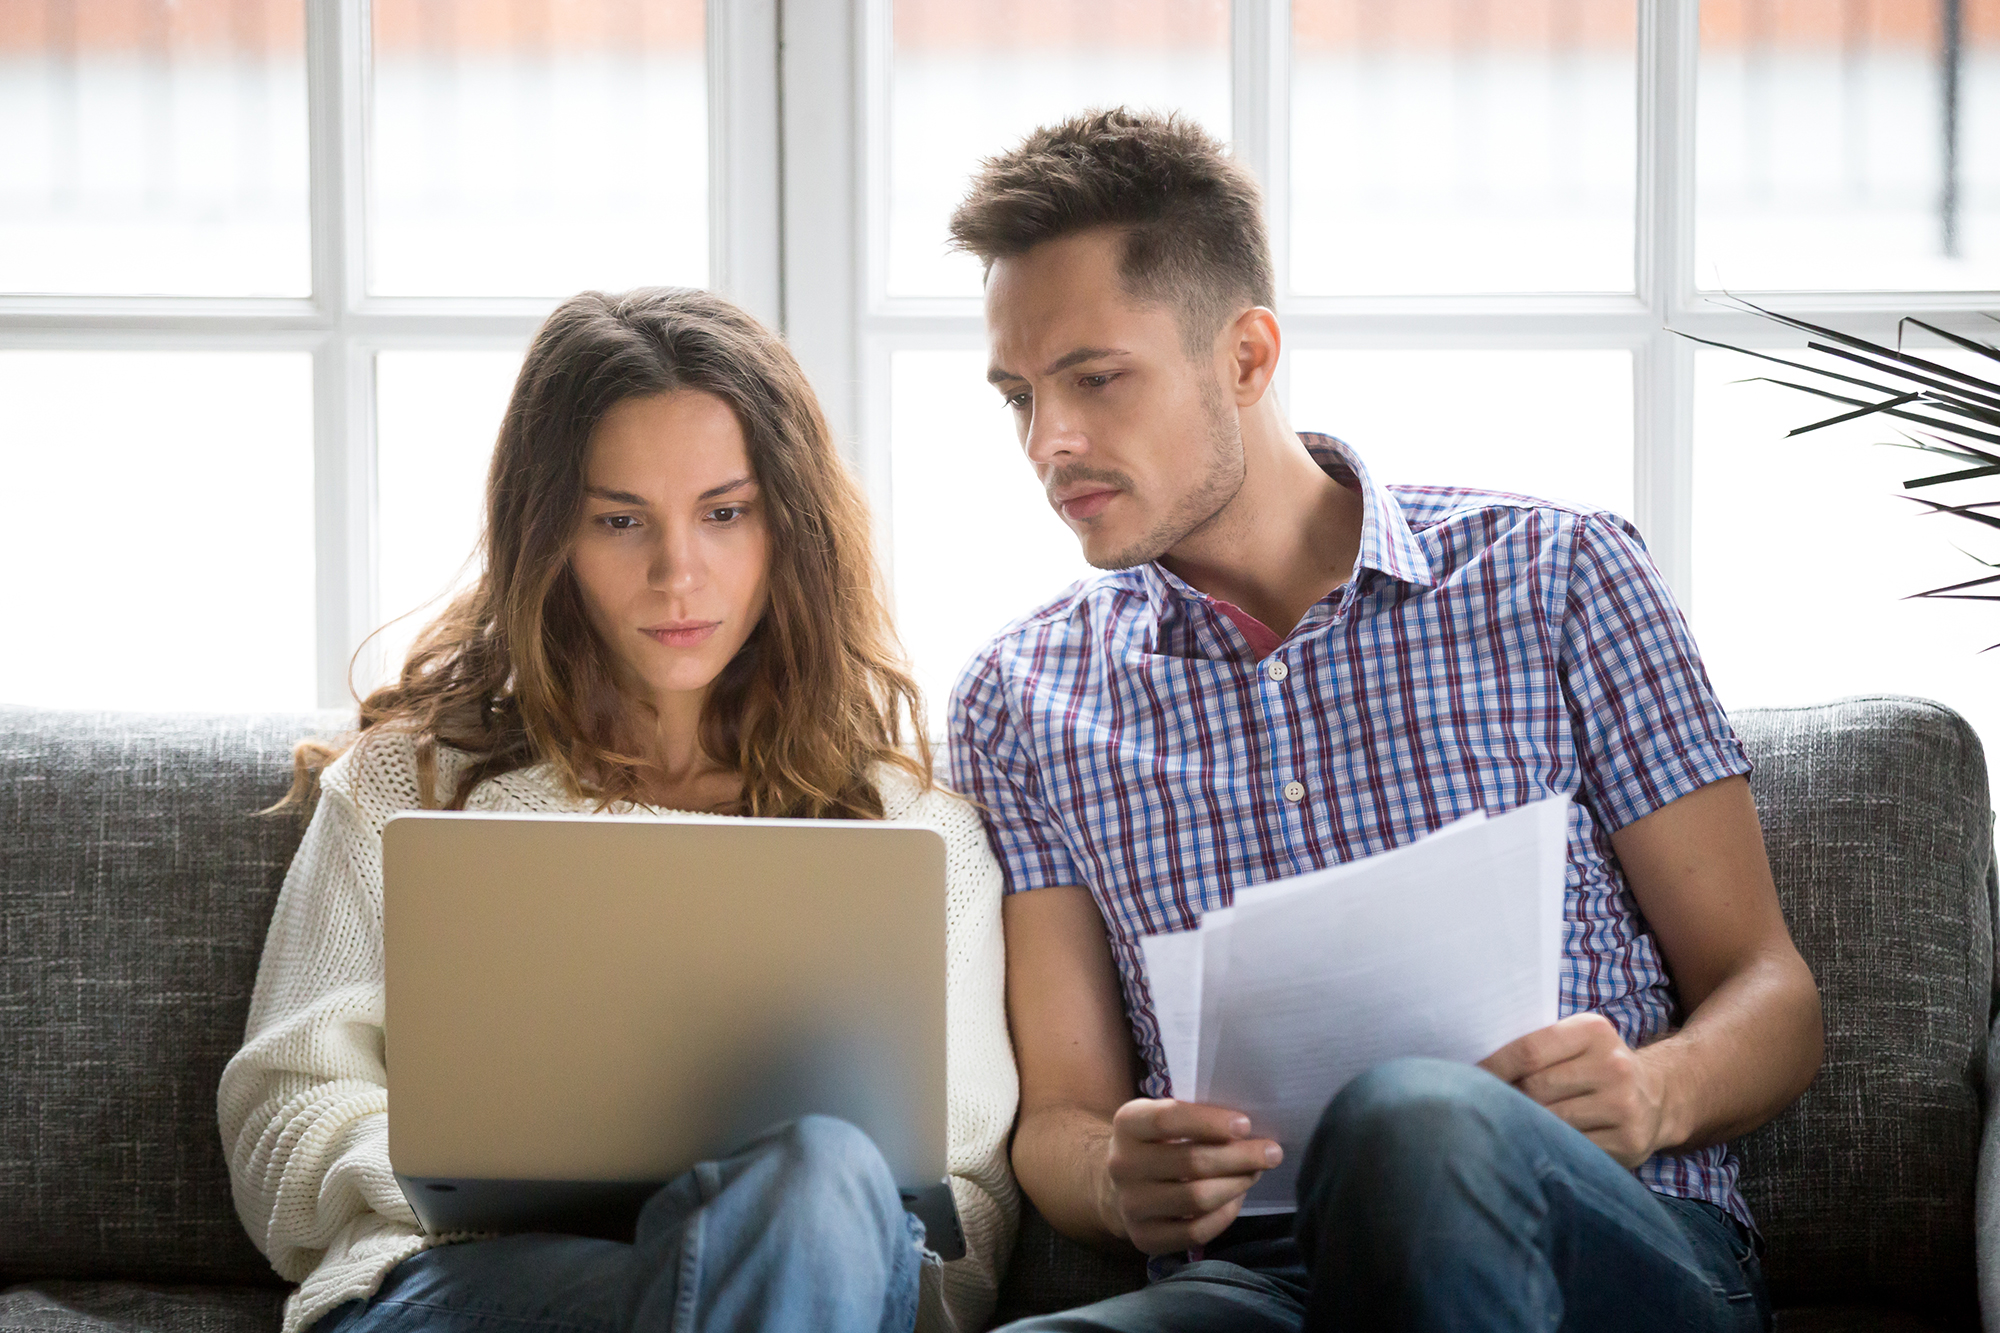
(1499, 211)
(269, 267)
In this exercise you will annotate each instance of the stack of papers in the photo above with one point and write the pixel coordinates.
(1449, 947)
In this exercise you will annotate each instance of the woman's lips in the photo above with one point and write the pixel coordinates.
(1089, 505)
(685, 634)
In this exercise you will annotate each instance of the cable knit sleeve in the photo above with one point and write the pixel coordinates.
(984, 1091)
(303, 1107)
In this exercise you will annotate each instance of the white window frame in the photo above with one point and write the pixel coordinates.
(836, 88)
(798, 146)
(343, 327)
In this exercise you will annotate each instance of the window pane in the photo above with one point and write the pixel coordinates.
(537, 148)
(149, 146)
(157, 523)
(1557, 425)
(1463, 146)
(975, 542)
(438, 414)
(1804, 551)
(1852, 145)
(969, 80)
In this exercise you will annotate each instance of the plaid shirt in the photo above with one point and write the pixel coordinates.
(1131, 736)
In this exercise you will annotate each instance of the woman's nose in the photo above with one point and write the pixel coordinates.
(677, 564)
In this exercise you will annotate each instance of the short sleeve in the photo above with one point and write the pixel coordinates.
(1648, 727)
(992, 763)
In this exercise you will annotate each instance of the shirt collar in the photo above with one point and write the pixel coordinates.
(1388, 546)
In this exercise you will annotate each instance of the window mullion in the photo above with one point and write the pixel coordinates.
(744, 191)
(343, 380)
(822, 230)
(1260, 126)
(1663, 377)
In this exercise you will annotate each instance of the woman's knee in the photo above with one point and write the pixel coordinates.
(825, 1162)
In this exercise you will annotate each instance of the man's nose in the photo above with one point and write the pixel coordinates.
(1053, 434)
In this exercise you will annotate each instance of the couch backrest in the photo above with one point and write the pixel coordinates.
(136, 884)
(1879, 828)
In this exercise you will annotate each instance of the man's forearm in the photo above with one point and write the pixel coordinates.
(1060, 1160)
(1745, 1053)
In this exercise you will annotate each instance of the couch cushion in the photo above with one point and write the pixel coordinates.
(136, 884)
(128, 1307)
(1857, 1319)
(1879, 831)
(1051, 1272)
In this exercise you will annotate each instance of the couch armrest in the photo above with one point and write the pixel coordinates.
(1986, 1217)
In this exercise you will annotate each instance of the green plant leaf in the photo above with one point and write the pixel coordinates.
(1870, 410)
(1927, 381)
(1969, 344)
(1897, 412)
(1963, 511)
(1849, 340)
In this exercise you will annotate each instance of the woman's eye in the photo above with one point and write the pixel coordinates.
(619, 522)
(726, 514)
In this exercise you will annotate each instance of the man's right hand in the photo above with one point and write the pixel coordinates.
(1178, 1172)
(1103, 1167)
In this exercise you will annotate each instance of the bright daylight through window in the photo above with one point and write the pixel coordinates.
(268, 266)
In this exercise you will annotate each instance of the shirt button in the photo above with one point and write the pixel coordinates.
(1276, 669)
(1295, 792)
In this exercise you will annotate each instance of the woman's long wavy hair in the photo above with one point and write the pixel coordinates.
(512, 672)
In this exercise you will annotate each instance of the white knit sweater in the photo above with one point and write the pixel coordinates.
(304, 1107)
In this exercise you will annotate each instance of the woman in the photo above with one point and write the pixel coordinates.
(679, 612)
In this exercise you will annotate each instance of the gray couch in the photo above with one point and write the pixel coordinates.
(135, 884)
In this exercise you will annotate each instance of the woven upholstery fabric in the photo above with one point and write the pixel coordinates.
(1879, 831)
(1855, 1319)
(136, 884)
(1051, 1272)
(128, 1307)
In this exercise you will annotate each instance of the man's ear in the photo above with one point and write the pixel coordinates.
(1251, 342)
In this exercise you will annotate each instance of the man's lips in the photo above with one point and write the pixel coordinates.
(681, 633)
(1086, 504)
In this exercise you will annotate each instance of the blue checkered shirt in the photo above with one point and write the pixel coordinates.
(1490, 650)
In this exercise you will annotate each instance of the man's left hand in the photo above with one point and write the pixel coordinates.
(1582, 1070)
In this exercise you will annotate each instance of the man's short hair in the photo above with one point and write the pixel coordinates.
(1192, 216)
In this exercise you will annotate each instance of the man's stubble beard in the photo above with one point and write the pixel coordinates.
(1202, 505)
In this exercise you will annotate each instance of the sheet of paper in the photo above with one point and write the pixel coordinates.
(1447, 947)
(1216, 926)
(1214, 984)
(1173, 976)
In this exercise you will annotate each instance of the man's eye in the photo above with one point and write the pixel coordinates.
(1017, 401)
(1094, 381)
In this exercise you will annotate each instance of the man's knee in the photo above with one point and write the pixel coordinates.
(1403, 1121)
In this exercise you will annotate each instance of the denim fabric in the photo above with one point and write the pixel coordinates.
(1434, 1196)
(801, 1230)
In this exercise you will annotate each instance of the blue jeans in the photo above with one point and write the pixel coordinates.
(1434, 1196)
(803, 1229)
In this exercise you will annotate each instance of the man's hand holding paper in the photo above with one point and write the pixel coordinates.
(1583, 1071)
(1447, 947)
(1179, 1172)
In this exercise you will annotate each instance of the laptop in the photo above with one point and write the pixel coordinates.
(578, 1008)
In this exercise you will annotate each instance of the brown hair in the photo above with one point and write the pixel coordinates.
(1192, 216)
(514, 674)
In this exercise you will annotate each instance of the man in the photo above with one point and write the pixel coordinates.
(1293, 666)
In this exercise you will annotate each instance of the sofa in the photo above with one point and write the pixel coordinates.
(136, 881)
